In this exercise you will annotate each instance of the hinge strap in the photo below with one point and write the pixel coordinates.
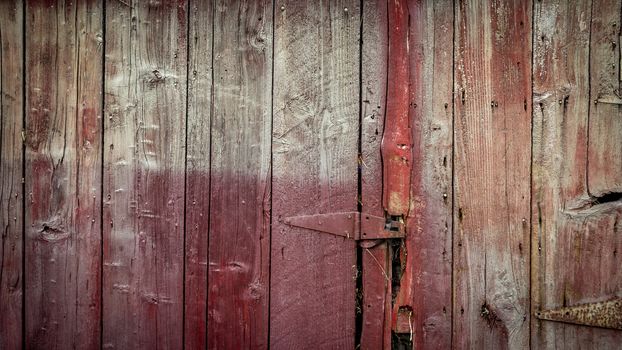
(606, 314)
(353, 225)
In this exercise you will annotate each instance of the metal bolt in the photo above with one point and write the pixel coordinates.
(282, 8)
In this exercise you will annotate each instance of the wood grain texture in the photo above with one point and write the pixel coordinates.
(144, 161)
(396, 145)
(605, 121)
(239, 240)
(426, 278)
(63, 174)
(492, 171)
(198, 172)
(376, 259)
(575, 239)
(315, 146)
(11, 161)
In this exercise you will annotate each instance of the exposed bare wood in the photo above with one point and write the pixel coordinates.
(239, 241)
(376, 261)
(492, 171)
(574, 237)
(144, 161)
(11, 161)
(605, 121)
(63, 174)
(198, 172)
(315, 146)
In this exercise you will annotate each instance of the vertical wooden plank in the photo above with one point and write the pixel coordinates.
(315, 146)
(376, 262)
(423, 303)
(239, 240)
(63, 174)
(575, 236)
(492, 171)
(560, 115)
(198, 172)
(144, 160)
(11, 192)
(605, 122)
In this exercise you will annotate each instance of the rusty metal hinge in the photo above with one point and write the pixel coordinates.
(353, 225)
(605, 314)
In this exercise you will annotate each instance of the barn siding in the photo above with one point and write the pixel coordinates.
(63, 166)
(152, 149)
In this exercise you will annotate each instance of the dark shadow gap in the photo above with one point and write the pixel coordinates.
(184, 228)
(358, 320)
(101, 186)
(24, 82)
(271, 177)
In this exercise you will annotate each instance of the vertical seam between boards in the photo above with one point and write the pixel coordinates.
(102, 174)
(209, 181)
(185, 201)
(271, 173)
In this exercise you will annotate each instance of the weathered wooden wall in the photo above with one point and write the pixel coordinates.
(151, 151)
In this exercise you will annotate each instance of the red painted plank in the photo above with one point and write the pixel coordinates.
(376, 261)
(239, 239)
(315, 149)
(63, 174)
(397, 138)
(11, 192)
(492, 174)
(423, 302)
(144, 171)
(198, 173)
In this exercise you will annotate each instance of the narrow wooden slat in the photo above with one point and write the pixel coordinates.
(144, 160)
(315, 146)
(574, 238)
(492, 171)
(424, 296)
(376, 262)
(239, 240)
(605, 123)
(198, 172)
(63, 174)
(11, 193)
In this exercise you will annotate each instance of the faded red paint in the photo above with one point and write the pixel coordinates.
(397, 140)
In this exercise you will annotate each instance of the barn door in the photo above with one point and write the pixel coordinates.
(577, 176)
(336, 205)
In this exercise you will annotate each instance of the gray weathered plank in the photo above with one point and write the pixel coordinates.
(239, 238)
(492, 170)
(198, 172)
(144, 171)
(574, 238)
(11, 161)
(63, 174)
